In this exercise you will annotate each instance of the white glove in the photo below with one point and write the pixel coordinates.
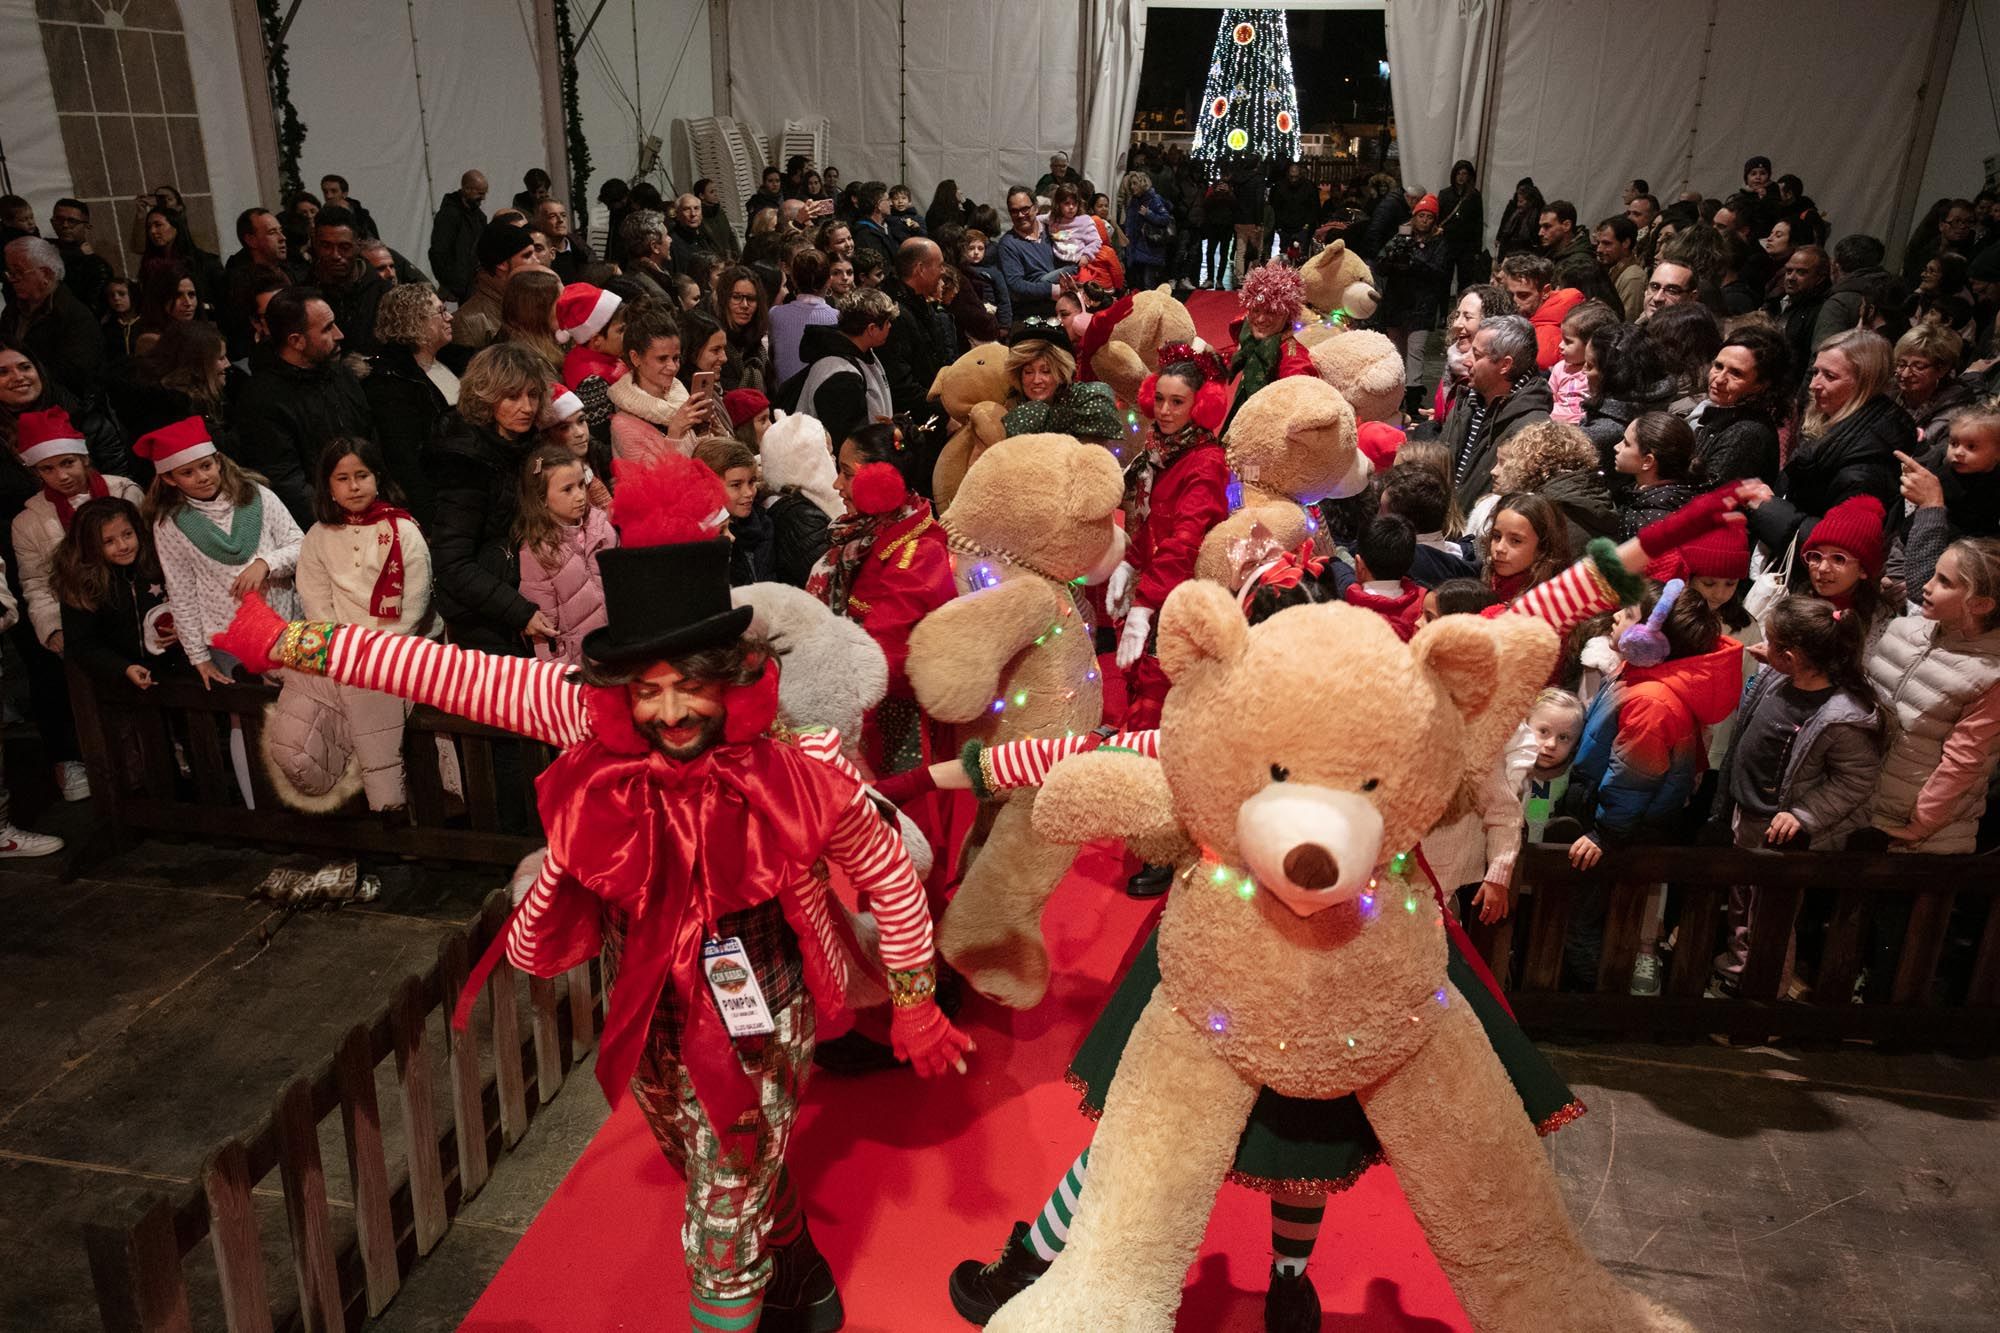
(1132, 643)
(1118, 589)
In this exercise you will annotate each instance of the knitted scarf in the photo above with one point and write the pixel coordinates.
(385, 599)
(1160, 453)
(66, 506)
(1256, 360)
(849, 540)
(238, 546)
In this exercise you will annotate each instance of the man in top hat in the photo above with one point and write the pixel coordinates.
(688, 839)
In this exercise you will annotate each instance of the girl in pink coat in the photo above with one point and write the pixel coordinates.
(560, 533)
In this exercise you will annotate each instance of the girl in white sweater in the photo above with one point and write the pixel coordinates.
(220, 534)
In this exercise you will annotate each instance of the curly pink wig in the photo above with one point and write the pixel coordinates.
(1274, 289)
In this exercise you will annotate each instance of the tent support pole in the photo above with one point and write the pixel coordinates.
(1930, 94)
(718, 59)
(263, 118)
(555, 134)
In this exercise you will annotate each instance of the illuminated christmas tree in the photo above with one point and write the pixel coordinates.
(1250, 106)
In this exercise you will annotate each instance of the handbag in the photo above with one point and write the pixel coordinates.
(1769, 586)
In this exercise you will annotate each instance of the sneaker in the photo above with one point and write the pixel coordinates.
(1291, 1305)
(1149, 882)
(74, 779)
(1646, 974)
(979, 1290)
(20, 842)
(801, 1296)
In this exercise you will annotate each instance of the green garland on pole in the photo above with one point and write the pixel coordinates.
(579, 148)
(291, 130)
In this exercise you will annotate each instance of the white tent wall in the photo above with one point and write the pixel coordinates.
(354, 66)
(37, 168)
(992, 87)
(1968, 126)
(673, 81)
(1594, 92)
(219, 83)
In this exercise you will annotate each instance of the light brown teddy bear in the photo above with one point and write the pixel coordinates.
(1292, 445)
(1337, 280)
(1366, 368)
(1300, 757)
(1127, 349)
(973, 390)
(1012, 657)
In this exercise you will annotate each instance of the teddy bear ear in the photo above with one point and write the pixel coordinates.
(1462, 655)
(1096, 486)
(1201, 623)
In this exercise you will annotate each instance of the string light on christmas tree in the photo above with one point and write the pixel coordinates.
(1251, 97)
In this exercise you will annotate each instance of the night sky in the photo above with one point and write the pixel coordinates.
(1328, 48)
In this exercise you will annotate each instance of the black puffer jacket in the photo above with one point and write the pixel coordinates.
(1648, 504)
(475, 474)
(1857, 456)
(286, 415)
(1732, 443)
(750, 551)
(798, 537)
(1605, 420)
(408, 409)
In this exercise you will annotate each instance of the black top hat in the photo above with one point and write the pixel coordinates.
(665, 601)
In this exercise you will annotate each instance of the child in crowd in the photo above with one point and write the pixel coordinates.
(904, 220)
(799, 495)
(1639, 761)
(1527, 542)
(1954, 493)
(654, 411)
(749, 415)
(1657, 453)
(1568, 384)
(750, 528)
(686, 292)
(1843, 556)
(1381, 570)
(365, 562)
(1807, 747)
(1554, 726)
(992, 292)
(564, 423)
(560, 534)
(870, 268)
(121, 320)
(591, 321)
(1414, 491)
(112, 597)
(54, 450)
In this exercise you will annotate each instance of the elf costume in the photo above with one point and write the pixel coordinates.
(1272, 291)
(700, 871)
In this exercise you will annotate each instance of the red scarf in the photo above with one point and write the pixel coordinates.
(65, 509)
(385, 601)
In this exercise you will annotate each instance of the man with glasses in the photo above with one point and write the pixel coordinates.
(46, 320)
(84, 270)
(1671, 284)
(1027, 259)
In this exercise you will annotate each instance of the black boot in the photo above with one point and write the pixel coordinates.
(978, 1290)
(1149, 882)
(1291, 1305)
(801, 1296)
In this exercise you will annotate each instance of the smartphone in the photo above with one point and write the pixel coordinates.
(703, 383)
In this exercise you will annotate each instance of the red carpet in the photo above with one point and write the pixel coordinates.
(902, 1179)
(1212, 313)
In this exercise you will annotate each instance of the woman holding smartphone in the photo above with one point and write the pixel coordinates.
(704, 347)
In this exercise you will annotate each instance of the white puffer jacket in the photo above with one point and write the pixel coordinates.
(1925, 683)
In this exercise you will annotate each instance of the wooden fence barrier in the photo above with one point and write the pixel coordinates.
(401, 1208)
(1893, 911)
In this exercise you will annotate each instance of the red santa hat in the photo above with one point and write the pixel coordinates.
(561, 406)
(40, 436)
(582, 311)
(175, 446)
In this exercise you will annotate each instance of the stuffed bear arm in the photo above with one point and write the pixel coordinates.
(1119, 365)
(1112, 794)
(988, 422)
(1284, 521)
(958, 652)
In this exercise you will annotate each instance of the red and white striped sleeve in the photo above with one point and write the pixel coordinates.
(825, 747)
(1568, 599)
(878, 865)
(518, 694)
(1025, 763)
(558, 925)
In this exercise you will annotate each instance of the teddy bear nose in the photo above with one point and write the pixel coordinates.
(1311, 866)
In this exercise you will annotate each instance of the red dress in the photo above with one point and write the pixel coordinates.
(1188, 496)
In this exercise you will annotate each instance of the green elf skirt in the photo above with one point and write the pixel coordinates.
(1293, 1145)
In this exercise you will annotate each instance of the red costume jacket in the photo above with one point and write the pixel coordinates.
(1190, 496)
(905, 577)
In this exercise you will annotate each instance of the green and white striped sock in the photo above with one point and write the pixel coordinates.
(1051, 1230)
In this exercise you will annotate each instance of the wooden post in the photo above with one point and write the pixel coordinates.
(548, 1040)
(1623, 919)
(1840, 958)
(583, 1012)
(468, 1108)
(232, 1233)
(1923, 946)
(1694, 956)
(507, 1074)
(136, 1268)
(1542, 969)
(361, 1119)
(304, 1179)
(407, 1034)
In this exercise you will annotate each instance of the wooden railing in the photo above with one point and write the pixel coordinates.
(402, 1207)
(135, 745)
(1843, 902)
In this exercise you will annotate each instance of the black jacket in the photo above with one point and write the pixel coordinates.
(85, 275)
(110, 447)
(685, 243)
(1391, 211)
(752, 557)
(407, 409)
(1798, 322)
(475, 472)
(920, 344)
(1731, 443)
(1463, 221)
(1294, 204)
(354, 302)
(1586, 505)
(1648, 504)
(104, 642)
(454, 251)
(1528, 403)
(143, 408)
(1841, 310)
(286, 415)
(841, 405)
(1856, 457)
(1605, 420)
(871, 235)
(798, 537)
(63, 335)
(569, 264)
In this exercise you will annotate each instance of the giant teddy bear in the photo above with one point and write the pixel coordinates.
(1012, 657)
(1122, 344)
(973, 391)
(1340, 290)
(1296, 953)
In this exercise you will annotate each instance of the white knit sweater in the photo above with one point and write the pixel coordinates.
(198, 587)
(338, 566)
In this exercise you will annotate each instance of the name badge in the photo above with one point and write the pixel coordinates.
(738, 997)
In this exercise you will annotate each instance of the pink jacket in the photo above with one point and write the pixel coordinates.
(1567, 388)
(571, 594)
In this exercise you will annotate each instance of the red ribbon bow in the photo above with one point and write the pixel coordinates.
(1288, 569)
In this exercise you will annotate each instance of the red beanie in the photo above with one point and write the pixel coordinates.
(1379, 441)
(743, 404)
(1855, 526)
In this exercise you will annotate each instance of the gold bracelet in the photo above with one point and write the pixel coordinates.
(914, 987)
(305, 646)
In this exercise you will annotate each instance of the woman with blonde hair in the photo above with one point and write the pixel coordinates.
(1847, 442)
(1927, 383)
(528, 315)
(1041, 367)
